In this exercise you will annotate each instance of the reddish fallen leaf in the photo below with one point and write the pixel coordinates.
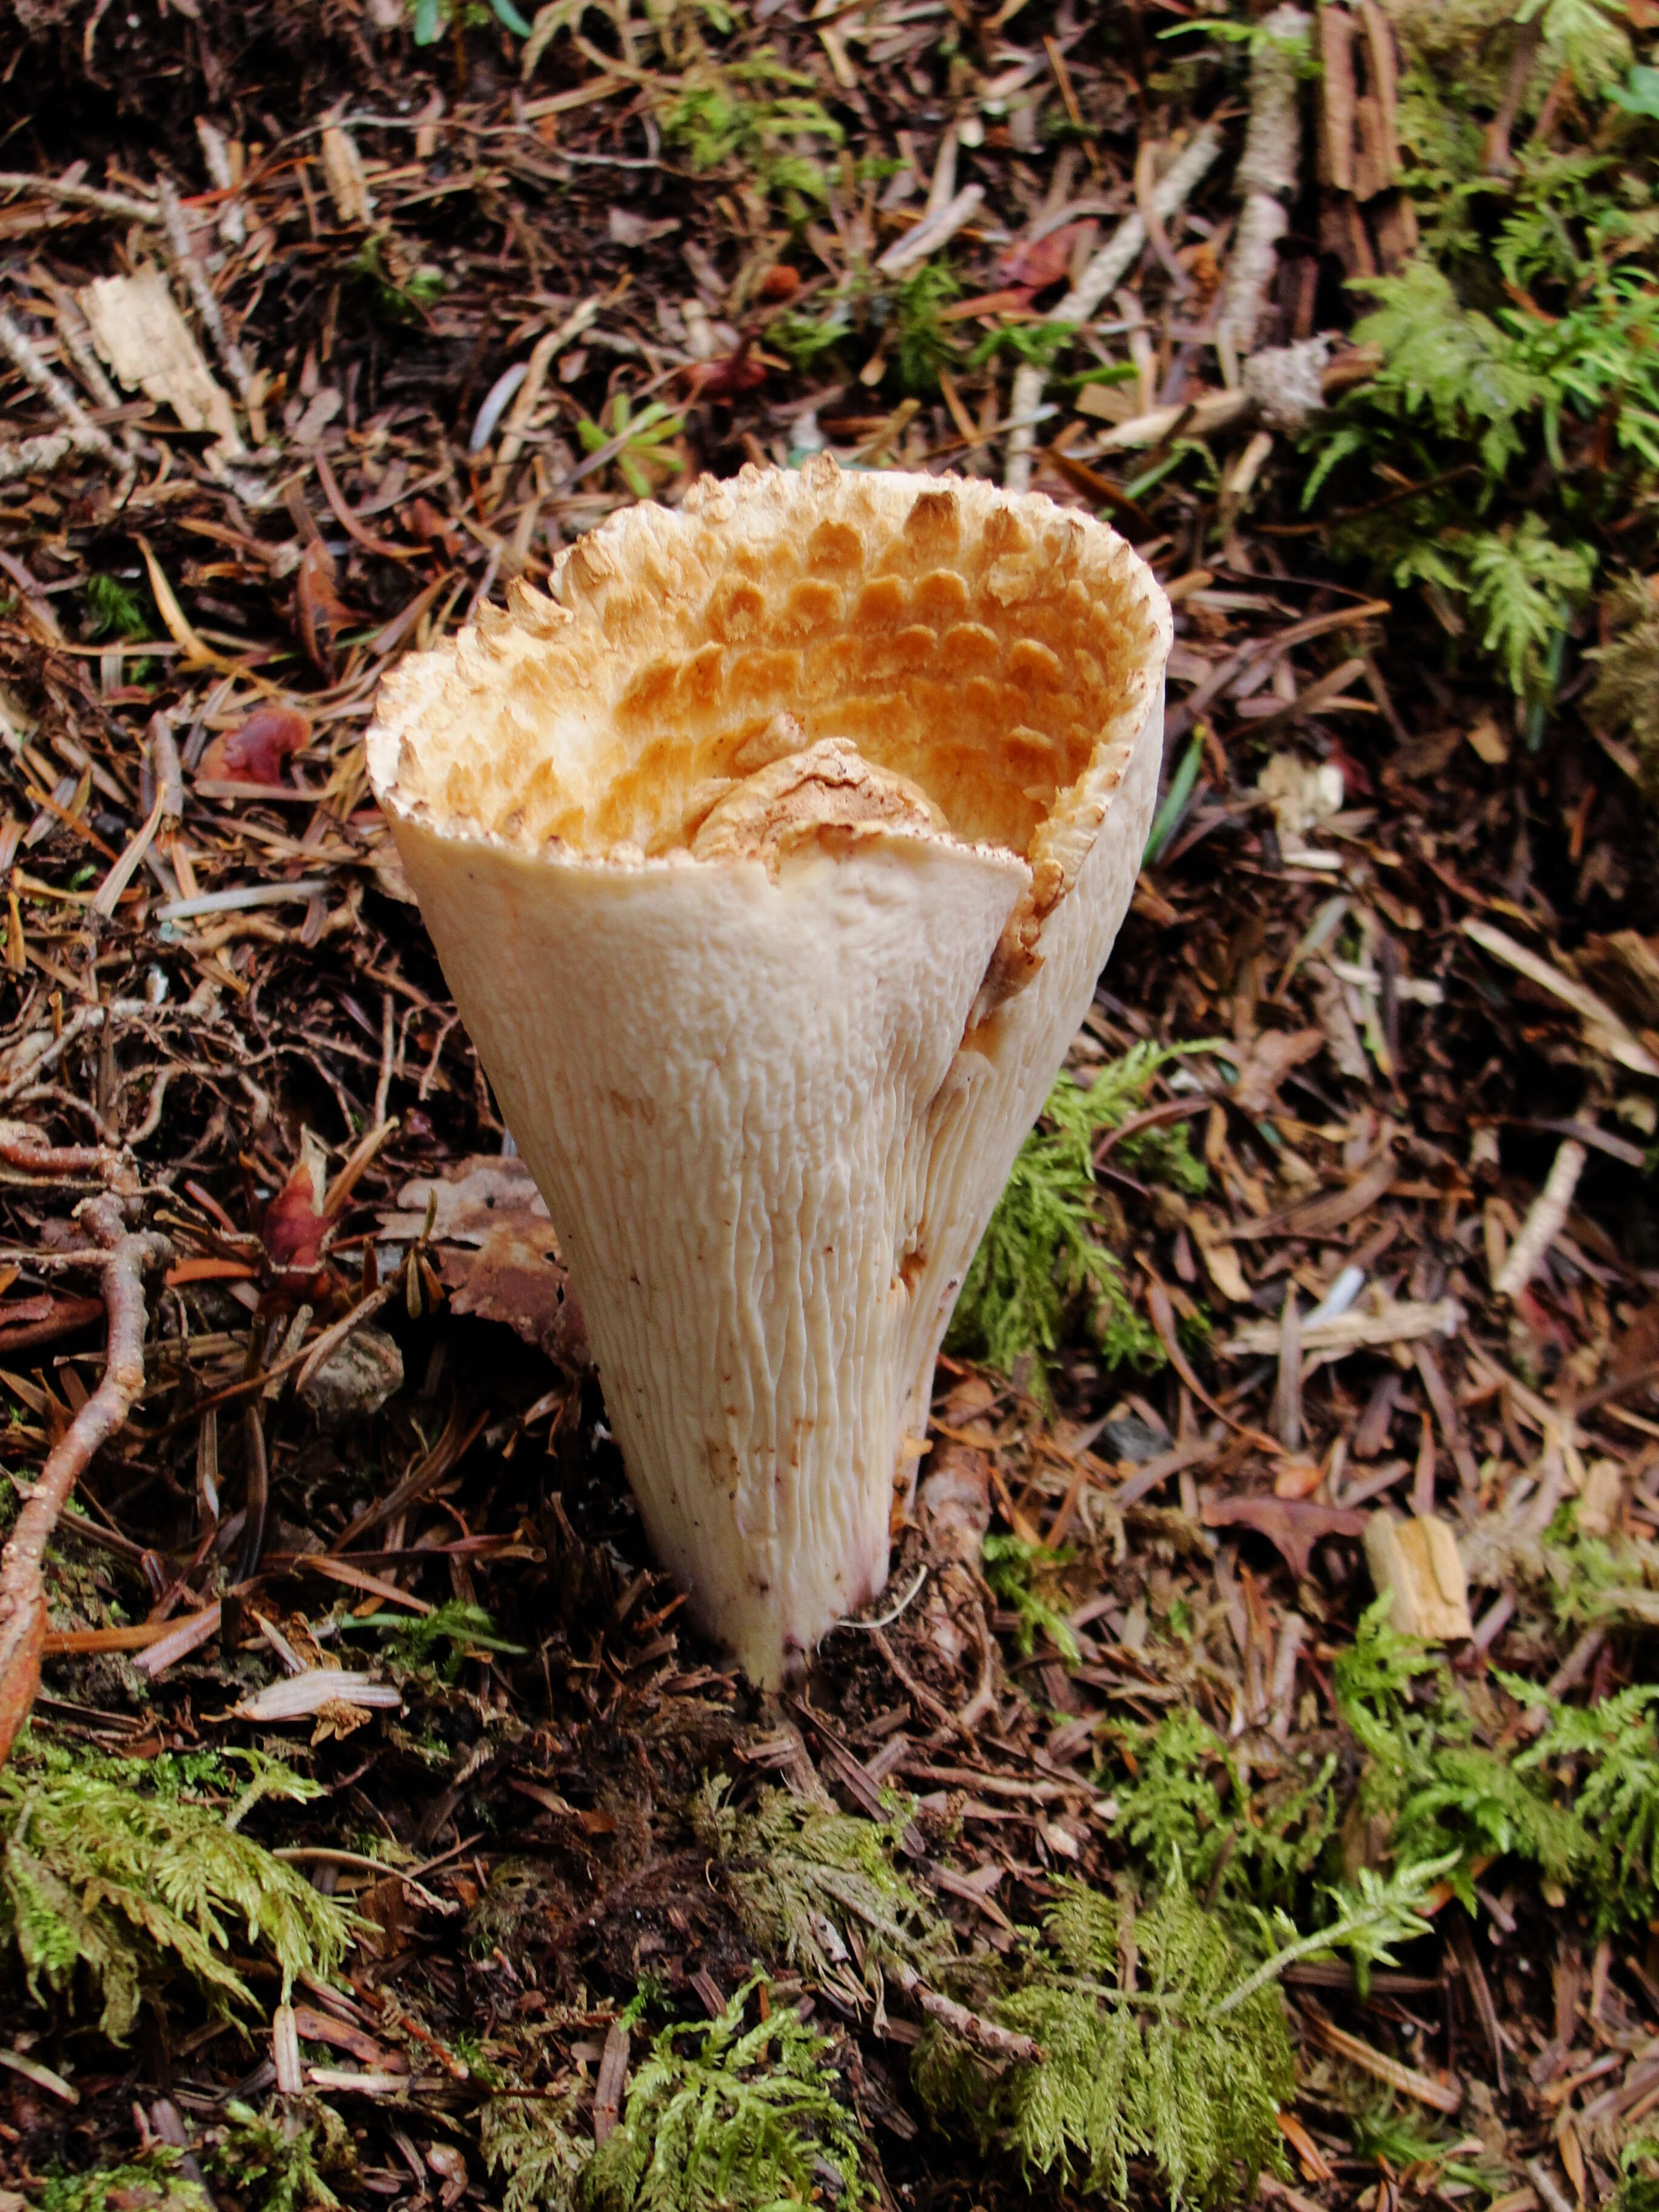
(1297, 1478)
(422, 520)
(1041, 262)
(318, 2027)
(1308, 2156)
(1011, 300)
(1292, 1525)
(259, 751)
(294, 1222)
(738, 373)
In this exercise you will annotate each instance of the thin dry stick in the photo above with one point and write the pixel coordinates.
(1122, 250)
(38, 1053)
(918, 1690)
(22, 1591)
(57, 1160)
(85, 196)
(516, 429)
(189, 262)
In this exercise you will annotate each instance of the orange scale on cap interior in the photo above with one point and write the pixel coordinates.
(1027, 754)
(835, 548)
(882, 604)
(737, 610)
(700, 680)
(900, 652)
(970, 648)
(813, 604)
(832, 668)
(940, 597)
(880, 724)
(648, 697)
(1035, 663)
(763, 674)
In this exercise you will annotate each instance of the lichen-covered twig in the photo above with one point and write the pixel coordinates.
(87, 195)
(1544, 1222)
(1267, 174)
(22, 1591)
(189, 262)
(26, 357)
(973, 2027)
(53, 449)
(1106, 269)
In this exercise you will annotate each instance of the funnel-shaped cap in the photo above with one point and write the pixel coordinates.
(772, 862)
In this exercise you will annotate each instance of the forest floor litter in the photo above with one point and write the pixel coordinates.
(1248, 1785)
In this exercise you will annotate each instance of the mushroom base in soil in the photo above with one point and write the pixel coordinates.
(772, 861)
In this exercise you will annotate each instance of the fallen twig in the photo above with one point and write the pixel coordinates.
(1439, 2096)
(935, 229)
(22, 1592)
(53, 449)
(971, 2027)
(1268, 172)
(1403, 1321)
(1113, 262)
(1603, 1029)
(85, 196)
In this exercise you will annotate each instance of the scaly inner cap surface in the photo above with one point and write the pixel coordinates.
(979, 649)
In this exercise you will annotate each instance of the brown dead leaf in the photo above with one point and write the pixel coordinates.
(1489, 741)
(627, 228)
(343, 165)
(1416, 1561)
(1297, 1478)
(1038, 263)
(318, 2027)
(1216, 1249)
(385, 1908)
(138, 328)
(726, 379)
(1292, 1525)
(1272, 1057)
(1625, 969)
(497, 1252)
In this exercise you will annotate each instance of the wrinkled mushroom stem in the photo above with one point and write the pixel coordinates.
(772, 862)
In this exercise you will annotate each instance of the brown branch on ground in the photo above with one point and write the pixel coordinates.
(1499, 160)
(18, 1150)
(971, 2027)
(22, 1591)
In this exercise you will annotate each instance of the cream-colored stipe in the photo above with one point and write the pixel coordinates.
(772, 862)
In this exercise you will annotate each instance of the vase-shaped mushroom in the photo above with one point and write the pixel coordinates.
(772, 861)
